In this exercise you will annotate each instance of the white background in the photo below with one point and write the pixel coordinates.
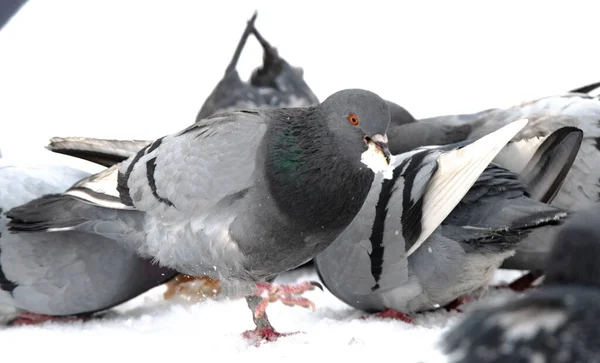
(141, 69)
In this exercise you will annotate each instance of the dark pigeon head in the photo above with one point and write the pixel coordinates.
(574, 259)
(360, 120)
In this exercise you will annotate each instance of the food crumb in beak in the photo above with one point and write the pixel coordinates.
(376, 160)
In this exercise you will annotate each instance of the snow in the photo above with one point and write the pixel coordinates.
(141, 69)
(152, 328)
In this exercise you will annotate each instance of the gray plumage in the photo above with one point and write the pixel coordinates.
(104, 152)
(239, 197)
(368, 267)
(275, 84)
(556, 323)
(407, 133)
(546, 115)
(580, 187)
(63, 273)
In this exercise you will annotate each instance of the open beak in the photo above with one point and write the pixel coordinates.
(377, 157)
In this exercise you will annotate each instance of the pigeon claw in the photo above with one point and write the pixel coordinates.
(264, 335)
(28, 318)
(284, 293)
(317, 285)
(390, 314)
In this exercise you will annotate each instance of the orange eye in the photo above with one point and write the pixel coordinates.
(353, 119)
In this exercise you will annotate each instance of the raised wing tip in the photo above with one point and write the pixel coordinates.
(458, 170)
(588, 88)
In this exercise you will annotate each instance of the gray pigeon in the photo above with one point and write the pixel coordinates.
(370, 266)
(556, 323)
(239, 197)
(49, 276)
(546, 115)
(275, 84)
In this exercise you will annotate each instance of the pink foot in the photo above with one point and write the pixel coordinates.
(284, 293)
(524, 282)
(455, 305)
(391, 314)
(33, 319)
(266, 334)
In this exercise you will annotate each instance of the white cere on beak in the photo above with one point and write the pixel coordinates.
(376, 161)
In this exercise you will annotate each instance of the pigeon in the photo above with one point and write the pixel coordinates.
(371, 266)
(546, 115)
(577, 108)
(62, 275)
(279, 83)
(239, 197)
(275, 84)
(557, 322)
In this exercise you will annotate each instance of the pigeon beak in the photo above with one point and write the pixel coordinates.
(377, 157)
(381, 143)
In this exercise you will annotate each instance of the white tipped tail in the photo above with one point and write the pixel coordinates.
(457, 171)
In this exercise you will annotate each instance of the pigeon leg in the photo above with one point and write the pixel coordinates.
(454, 305)
(192, 286)
(27, 318)
(524, 282)
(390, 314)
(264, 330)
(238, 50)
(267, 293)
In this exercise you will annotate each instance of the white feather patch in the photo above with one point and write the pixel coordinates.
(457, 172)
(102, 184)
(375, 160)
(517, 154)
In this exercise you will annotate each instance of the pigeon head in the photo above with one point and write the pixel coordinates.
(574, 256)
(360, 120)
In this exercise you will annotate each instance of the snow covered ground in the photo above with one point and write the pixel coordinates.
(150, 328)
(141, 69)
